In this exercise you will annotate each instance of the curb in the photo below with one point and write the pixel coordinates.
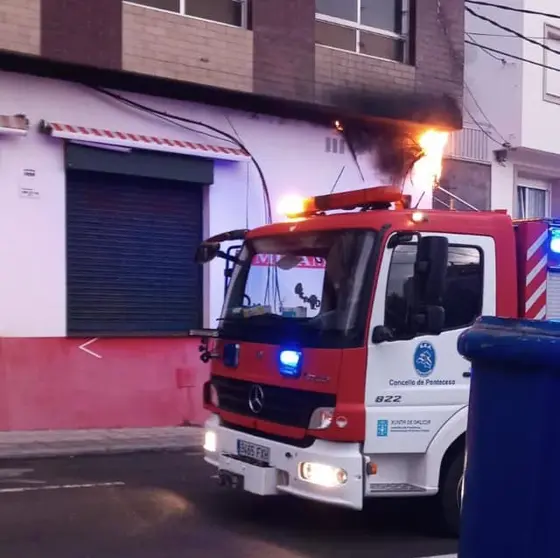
(36, 445)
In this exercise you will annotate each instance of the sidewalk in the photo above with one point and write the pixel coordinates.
(50, 443)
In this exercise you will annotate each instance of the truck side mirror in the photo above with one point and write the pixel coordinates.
(430, 270)
(381, 334)
(206, 252)
(435, 319)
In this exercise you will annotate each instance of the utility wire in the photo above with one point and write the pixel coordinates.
(492, 55)
(499, 35)
(485, 132)
(469, 91)
(510, 30)
(226, 135)
(514, 56)
(459, 59)
(272, 275)
(510, 9)
(189, 129)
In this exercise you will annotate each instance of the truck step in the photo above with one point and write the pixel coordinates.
(395, 488)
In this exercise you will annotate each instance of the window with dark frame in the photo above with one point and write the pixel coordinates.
(462, 299)
(532, 202)
(168, 5)
(377, 28)
(232, 12)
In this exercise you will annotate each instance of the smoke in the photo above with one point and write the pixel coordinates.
(392, 149)
(389, 135)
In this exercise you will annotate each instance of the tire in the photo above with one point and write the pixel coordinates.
(450, 495)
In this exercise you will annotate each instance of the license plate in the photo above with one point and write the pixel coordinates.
(254, 451)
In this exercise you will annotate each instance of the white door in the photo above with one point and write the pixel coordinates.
(414, 386)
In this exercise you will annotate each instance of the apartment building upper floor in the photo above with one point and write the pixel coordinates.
(512, 72)
(321, 52)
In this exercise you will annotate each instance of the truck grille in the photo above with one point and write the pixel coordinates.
(290, 407)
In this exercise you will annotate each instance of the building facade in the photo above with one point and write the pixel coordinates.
(512, 72)
(128, 138)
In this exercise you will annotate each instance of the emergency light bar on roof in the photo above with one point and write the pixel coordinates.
(15, 125)
(101, 136)
(379, 197)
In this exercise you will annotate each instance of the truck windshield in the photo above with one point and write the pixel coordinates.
(309, 288)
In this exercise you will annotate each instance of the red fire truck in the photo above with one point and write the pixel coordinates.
(334, 370)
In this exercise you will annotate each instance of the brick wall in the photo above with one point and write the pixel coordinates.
(20, 26)
(186, 49)
(284, 48)
(439, 49)
(335, 69)
(84, 32)
(440, 28)
(278, 58)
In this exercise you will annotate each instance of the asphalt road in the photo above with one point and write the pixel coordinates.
(165, 505)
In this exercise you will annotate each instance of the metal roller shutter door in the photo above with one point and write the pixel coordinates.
(130, 247)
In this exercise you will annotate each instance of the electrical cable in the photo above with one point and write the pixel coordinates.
(233, 139)
(514, 56)
(510, 30)
(271, 271)
(499, 35)
(170, 120)
(485, 132)
(502, 60)
(505, 142)
(459, 59)
(176, 118)
(482, 112)
(510, 9)
(189, 129)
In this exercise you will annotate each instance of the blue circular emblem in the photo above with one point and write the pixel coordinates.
(424, 359)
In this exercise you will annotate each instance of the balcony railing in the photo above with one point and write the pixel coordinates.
(469, 144)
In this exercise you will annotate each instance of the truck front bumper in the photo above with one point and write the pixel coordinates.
(328, 472)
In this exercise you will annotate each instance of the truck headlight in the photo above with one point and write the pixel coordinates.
(321, 418)
(322, 475)
(210, 441)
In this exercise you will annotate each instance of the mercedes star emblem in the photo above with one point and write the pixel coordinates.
(256, 399)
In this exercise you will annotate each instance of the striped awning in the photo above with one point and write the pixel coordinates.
(14, 124)
(141, 141)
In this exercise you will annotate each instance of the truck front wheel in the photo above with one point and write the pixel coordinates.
(450, 494)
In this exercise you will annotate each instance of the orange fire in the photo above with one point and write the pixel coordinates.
(427, 171)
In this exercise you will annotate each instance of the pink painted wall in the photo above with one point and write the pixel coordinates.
(52, 384)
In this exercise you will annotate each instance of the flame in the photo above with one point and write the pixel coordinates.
(427, 171)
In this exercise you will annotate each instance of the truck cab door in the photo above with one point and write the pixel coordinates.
(416, 383)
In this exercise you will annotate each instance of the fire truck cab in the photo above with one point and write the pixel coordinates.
(335, 374)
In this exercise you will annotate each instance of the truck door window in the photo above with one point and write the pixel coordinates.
(462, 300)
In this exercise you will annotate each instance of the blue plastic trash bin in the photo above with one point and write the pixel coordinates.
(511, 503)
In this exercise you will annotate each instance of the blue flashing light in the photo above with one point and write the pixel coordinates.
(555, 241)
(290, 363)
(230, 355)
